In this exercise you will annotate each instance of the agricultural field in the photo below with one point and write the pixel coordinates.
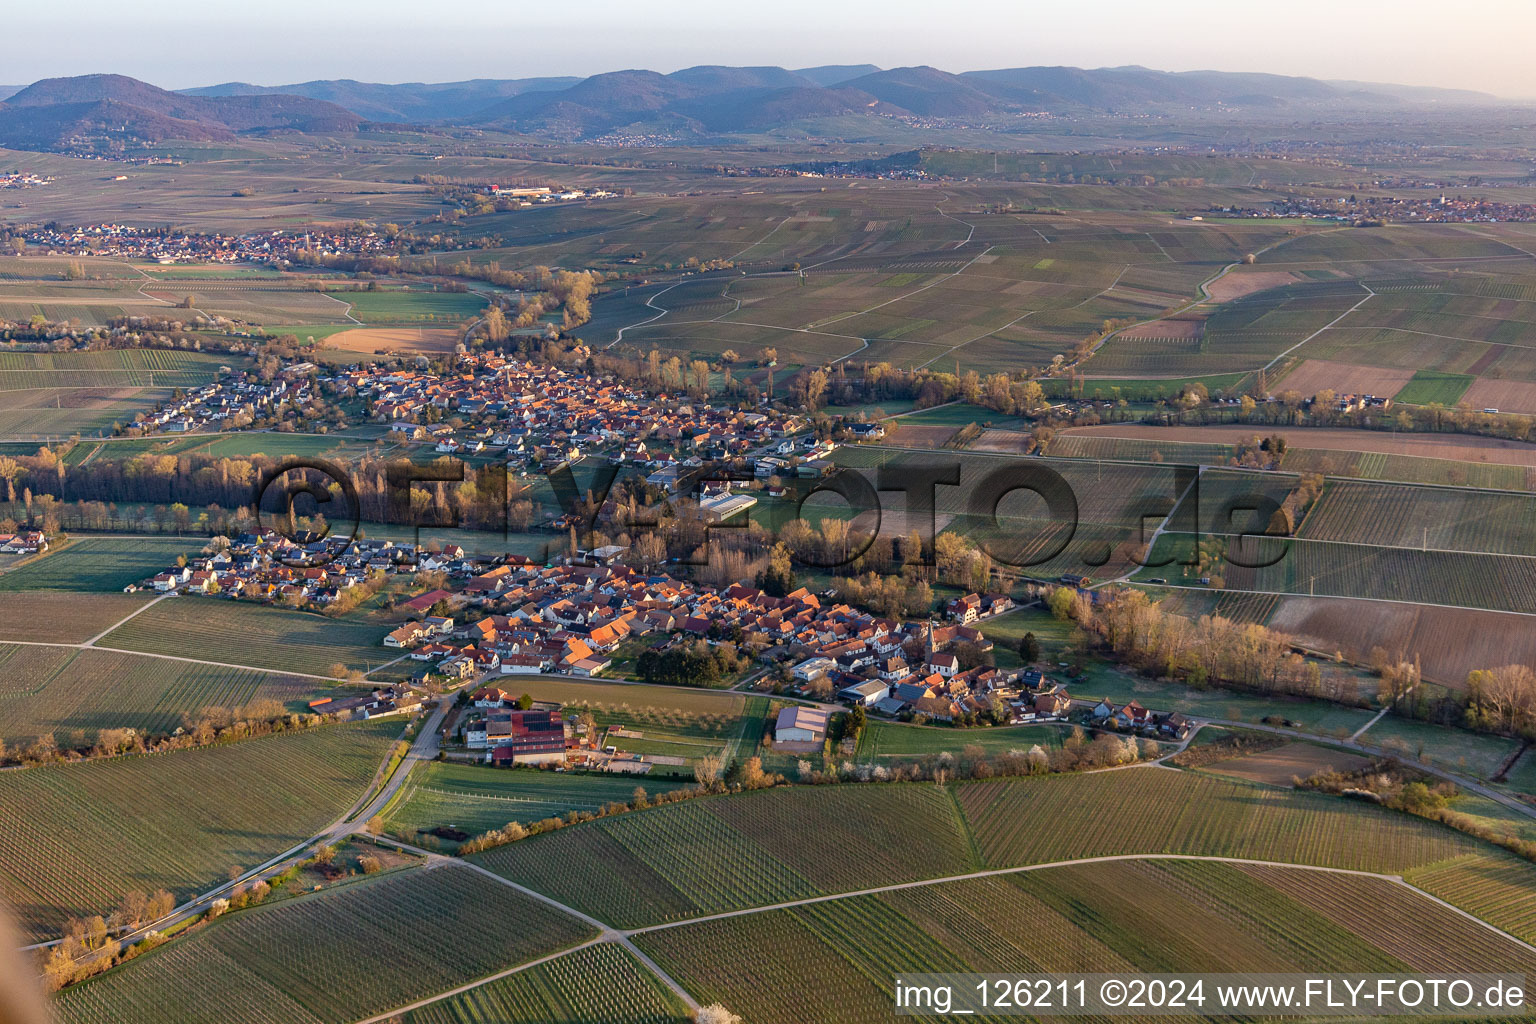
(72, 693)
(1497, 887)
(52, 414)
(653, 867)
(479, 798)
(1192, 916)
(97, 564)
(883, 742)
(1455, 460)
(239, 633)
(1430, 386)
(1099, 537)
(1280, 766)
(57, 616)
(266, 965)
(1358, 512)
(113, 368)
(1328, 569)
(602, 982)
(1198, 815)
(369, 340)
(397, 306)
(1477, 755)
(709, 855)
(78, 836)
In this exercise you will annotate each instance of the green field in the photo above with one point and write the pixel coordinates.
(882, 741)
(1430, 386)
(1475, 754)
(72, 693)
(412, 307)
(479, 798)
(260, 636)
(324, 957)
(601, 984)
(76, 837)
(98, 563)
(1187, 916)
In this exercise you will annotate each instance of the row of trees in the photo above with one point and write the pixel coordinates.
(211, 725)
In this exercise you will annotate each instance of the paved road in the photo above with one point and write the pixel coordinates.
(423, 749)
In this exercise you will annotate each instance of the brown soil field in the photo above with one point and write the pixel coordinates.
(1013, 442)
(1240, 283)
(1503, 395)
(1279, 765)
(1435, 446)
(1314, 375)
(1167, 330)
(913, 435)
(1448, 642)
(368, 340)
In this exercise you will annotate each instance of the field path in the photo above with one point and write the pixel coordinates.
(624, 937)
(1106, 859)
(141, 608)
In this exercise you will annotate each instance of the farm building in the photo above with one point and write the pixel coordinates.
(800, 725)
(525, 737)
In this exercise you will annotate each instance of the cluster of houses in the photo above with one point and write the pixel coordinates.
(543, 414)
(975, 607)
(300, 569)
(124, 241)
(899, 667)
(1356, 403)
(382, 702)
(570, 619)
(24, 542)
(527, 195)
(210, 406)
(22, 179)
(1038, 699)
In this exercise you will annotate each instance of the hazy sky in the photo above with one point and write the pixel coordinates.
(178, 43)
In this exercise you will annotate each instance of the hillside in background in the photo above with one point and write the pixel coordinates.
(703, 103)
(61, 112)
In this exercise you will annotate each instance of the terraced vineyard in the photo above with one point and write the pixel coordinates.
(261, 636)
(597, 983)
(340, 954)
(1188, 916)
(76, 837)
(59, 690)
